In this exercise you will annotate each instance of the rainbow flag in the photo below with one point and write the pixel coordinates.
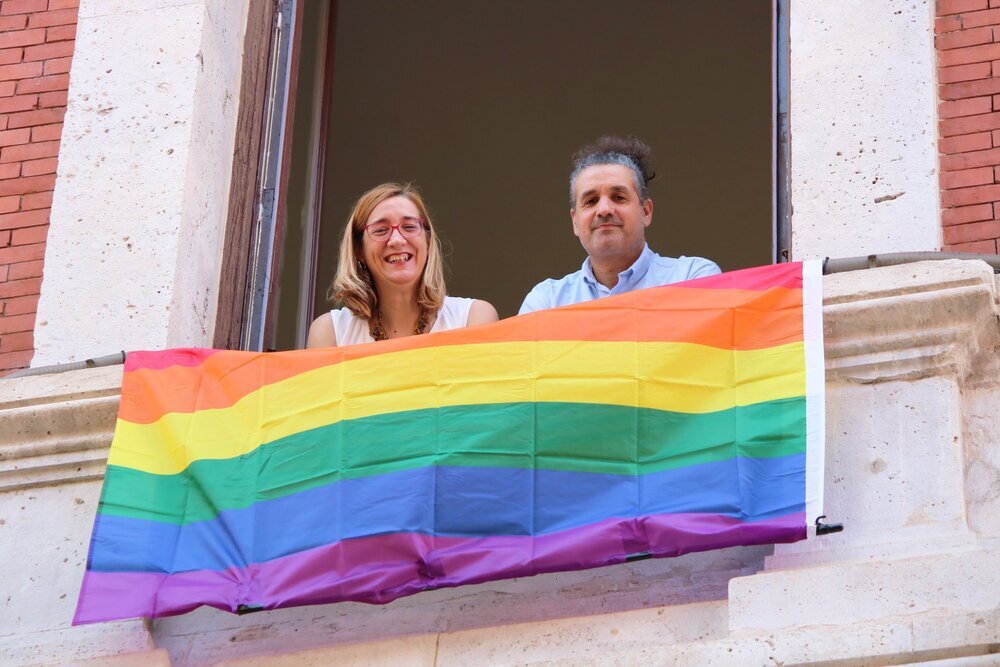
(674, 419)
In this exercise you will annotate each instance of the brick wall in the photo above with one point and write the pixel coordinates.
(967, 37)
(36, 45)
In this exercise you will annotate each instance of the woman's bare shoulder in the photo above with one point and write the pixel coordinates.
(482, 312)
(321, 333)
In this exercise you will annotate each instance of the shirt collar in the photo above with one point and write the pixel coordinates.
(630, 275)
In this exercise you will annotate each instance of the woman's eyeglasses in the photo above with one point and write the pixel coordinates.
(380, 231)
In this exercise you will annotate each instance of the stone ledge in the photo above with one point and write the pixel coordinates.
(57, 428)
(96, 644)
(911, 321)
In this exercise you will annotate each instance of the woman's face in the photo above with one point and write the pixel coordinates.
(395, 259)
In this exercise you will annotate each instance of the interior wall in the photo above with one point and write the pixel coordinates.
(483, 104)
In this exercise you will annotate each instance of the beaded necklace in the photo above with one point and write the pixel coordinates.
(377, 330)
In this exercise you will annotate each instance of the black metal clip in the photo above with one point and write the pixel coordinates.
(248, 609)
(827, 528)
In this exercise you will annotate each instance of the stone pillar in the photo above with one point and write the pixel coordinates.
(143, 179)
(863, 122)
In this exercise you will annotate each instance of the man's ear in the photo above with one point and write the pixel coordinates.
(647, 212)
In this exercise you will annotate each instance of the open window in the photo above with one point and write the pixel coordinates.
(482, 104)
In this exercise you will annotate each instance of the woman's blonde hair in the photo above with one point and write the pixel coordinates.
(353, 286)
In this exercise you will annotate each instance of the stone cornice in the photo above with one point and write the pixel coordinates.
(912, 321)
(57, 428)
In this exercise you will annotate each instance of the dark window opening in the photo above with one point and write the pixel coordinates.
(482, 104)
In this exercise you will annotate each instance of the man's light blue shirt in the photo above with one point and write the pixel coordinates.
(650, 270)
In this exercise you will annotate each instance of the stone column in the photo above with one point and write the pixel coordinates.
(138, 213)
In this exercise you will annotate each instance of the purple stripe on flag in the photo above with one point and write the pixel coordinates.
(382, 568)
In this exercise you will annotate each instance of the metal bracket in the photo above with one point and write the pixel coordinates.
(827, 528)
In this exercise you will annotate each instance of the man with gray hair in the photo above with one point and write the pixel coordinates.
(610, 208)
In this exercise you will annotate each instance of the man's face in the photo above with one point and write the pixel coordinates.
(608, 216)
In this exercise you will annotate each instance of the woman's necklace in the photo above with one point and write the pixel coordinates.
(377, 330)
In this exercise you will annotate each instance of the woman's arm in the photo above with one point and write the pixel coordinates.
(482, 312)
(321, 333)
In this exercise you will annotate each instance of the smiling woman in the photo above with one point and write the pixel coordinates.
(390, 278)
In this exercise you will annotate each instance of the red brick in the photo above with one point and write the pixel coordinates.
(975, 231)
(60, 33)
(945, 7)
(964, 73)
(960, 38)
(21, 253)
(21, 38)
(981, 18)
(9, 56)
(29, 152)
(23, 340)
(10, 170)
(44, 200)
(13, 23)
(945, 24)
(63, 4)
(56, 66)
(7, 88)
(17, 323)
(18, 103)
(3, 122)
(957, 144)
(57, 17)
(23, 270)
(949, 179)
(13, 361)
(16, 287)
(23, 6)
(9, 204)
(994, 3)
(47, 51)
(978, 247)
(996, 102)
(949, 127)
(5, 241)
(3, 272)
(962, 197)
(37, 117)
(20, 71)
(15, 137)
(21, 305)
(54, 99)
(43, 84)
(23, 186)
(24, 219)
(29, 235)
(969, 54)
(968, 107)
(36, 167)
(46, 132)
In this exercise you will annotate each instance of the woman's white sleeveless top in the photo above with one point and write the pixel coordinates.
(351, 331)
